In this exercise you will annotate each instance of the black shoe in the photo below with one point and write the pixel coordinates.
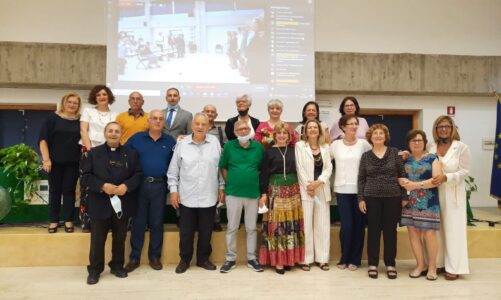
(92, 278)
(227, 266)
(217, 227)
(207, 265)
(182, 267)
(120, 273)
(280, 271)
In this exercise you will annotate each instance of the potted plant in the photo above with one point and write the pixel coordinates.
(471, 187)
(21, 162)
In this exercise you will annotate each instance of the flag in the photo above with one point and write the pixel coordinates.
(496, 161)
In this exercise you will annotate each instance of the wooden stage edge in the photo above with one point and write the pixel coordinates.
(33, 246)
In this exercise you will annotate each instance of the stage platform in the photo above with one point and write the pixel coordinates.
(33, 246)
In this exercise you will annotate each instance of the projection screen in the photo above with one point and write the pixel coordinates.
(212, 51)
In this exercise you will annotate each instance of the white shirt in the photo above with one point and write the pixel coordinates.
(194, 172)
(97, 121)
(347, 164)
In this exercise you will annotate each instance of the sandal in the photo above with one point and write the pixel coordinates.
(52, 229)
(391, 273)
(431, 276)
(449, 276)
(352, 267)
(305, 267)
(417, 273)
(341, 266)
(324, 267)
(373, 273)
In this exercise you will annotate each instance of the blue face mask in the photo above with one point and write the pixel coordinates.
(244, 139)
(175, 107)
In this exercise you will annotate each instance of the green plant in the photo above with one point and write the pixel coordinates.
(471, 187)
(21, 162)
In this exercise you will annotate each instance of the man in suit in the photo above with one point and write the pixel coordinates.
(243, 102)
(113, 174)
(177, 120)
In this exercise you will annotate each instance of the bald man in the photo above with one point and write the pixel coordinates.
(135, 119)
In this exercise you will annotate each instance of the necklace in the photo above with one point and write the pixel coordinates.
(317, 160)
(104, 118)
(283, 158)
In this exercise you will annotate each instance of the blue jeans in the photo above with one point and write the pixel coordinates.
(151, 207)
(352, 230)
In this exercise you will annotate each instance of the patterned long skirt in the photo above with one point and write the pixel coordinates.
(282, 240)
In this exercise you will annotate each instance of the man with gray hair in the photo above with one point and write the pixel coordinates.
(195, 186)
(155, 149)
(240, 165)
(243, 103)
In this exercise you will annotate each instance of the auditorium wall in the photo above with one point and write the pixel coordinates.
(449, 27)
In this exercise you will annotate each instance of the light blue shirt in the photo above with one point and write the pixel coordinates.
(194, 172)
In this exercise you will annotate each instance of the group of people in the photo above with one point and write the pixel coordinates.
(130, 162)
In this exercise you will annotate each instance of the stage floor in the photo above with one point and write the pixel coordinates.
(68, 283)
(31, 245)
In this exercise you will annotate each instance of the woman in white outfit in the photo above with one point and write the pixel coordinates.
(347, 153)
(314, 168)
(454, 157)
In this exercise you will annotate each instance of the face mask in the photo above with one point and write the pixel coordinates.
(269, 140)
(244, 139)
(117, 205)
(175, 107)
(243, 112)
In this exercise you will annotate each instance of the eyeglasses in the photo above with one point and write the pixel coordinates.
(242, 129)
(417, 141)
(351, 124)
(444, 127)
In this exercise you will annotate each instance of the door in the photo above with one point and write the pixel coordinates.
(398, 123)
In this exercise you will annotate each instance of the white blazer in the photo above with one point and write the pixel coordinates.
(305, 171)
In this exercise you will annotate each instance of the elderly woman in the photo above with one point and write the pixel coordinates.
(314, 168)
(195, 187)
(61, 153)
(381, 197)
(349, 106)
(347, 153)
(311, 112)
(422, 214)
(92, 124)
(264, 132)
(282, 243)
(454, 157)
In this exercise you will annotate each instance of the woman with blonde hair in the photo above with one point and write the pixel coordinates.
(455, 159)
(314, 169)
(282, 243)
(61, 153)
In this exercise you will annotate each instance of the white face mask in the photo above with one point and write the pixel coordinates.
(244, 139)
(117, 205)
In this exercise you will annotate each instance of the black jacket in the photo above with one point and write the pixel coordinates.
(230, 124)
(97, 172)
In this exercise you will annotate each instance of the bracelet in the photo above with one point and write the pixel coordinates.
(44, 161)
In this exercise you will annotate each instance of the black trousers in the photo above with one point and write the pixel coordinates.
(189, 220)
(98, 235)
(62, 183)
(382, 215)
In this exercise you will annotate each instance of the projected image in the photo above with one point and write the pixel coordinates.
(192, 41)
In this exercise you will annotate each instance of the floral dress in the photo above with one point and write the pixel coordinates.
(423, 209)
